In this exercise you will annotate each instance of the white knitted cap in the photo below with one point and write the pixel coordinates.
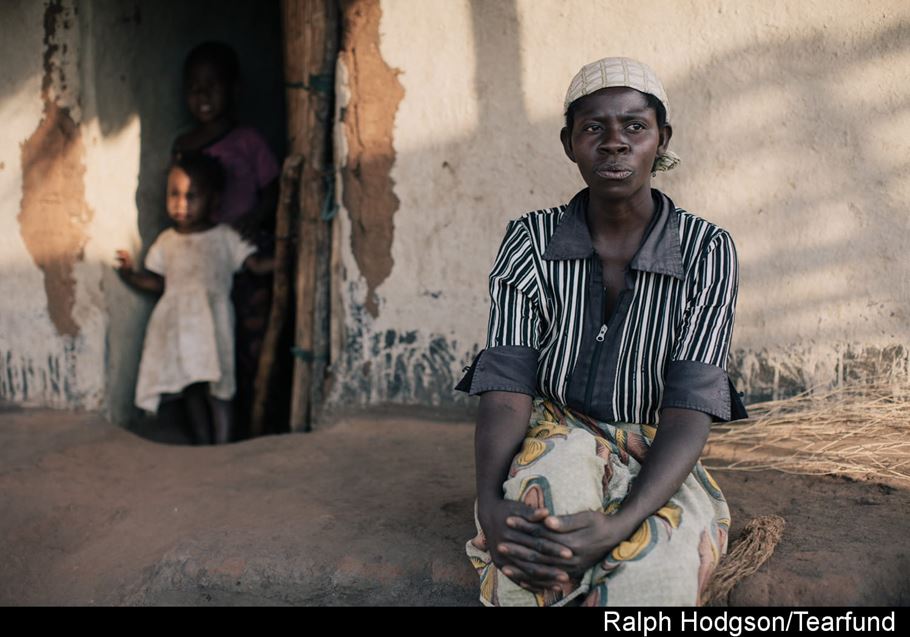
(610, 72)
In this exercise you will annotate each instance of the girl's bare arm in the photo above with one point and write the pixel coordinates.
(259, 264)
(143, 281)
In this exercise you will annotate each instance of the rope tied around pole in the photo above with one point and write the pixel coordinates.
(322, 83)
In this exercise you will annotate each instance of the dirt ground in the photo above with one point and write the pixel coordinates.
(374, 510)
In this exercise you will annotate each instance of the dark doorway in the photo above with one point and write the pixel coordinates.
(137, 53)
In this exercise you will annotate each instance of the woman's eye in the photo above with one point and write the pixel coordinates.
(636, 126)
(591, 127)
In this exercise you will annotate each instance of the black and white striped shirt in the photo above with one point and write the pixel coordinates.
(665, 344)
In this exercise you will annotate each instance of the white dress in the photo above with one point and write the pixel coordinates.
(190, 335)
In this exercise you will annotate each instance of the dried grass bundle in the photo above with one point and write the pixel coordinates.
(752, 549)
(860, 430)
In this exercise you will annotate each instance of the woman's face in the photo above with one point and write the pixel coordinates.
(614, 141)
(207, 94)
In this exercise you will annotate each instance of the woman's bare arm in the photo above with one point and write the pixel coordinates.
(678, 444)
(590, 535)
(502, 422)
(262, 215)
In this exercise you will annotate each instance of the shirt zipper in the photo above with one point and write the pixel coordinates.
(598, 348)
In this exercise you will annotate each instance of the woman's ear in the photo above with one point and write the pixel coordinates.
(565, 135)
(665, 134)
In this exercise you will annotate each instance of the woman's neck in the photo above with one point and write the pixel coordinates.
(206, 133)
(610, 217)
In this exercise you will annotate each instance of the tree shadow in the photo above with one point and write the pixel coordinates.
(775, 149)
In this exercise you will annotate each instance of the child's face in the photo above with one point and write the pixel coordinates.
(207, 94)
(188, 204)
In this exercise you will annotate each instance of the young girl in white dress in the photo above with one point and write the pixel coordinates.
(189, 341)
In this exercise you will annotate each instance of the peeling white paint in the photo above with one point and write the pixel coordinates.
(38, 366)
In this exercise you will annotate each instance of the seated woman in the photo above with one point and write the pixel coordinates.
(605, 365)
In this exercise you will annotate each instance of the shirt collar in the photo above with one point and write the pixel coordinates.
(659, 251)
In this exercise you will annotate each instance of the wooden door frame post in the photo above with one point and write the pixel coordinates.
(311, 49)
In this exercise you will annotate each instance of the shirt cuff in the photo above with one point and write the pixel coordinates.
(510, 368)
(701, 387)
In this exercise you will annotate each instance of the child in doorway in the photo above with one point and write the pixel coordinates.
(212, 83)
(189, 341)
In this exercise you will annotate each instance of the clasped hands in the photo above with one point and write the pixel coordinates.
(539, 551)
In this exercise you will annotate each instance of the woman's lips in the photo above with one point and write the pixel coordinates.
(614, 173)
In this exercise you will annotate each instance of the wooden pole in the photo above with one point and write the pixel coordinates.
(281, 293)
(321, 300)
(310, 36)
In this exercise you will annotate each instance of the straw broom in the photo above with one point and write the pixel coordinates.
(857, 430)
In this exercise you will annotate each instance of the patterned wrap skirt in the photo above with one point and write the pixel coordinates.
(570, 463)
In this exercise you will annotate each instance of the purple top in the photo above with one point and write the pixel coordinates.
(249, 166)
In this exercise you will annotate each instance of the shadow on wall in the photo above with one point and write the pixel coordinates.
(786, 242)
(823, 292)
(821, 208)
(19, 66)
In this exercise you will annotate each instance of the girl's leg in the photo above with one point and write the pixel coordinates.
(196, 397)
(172, 415)
(222, 419)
